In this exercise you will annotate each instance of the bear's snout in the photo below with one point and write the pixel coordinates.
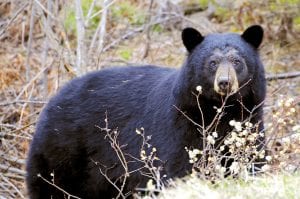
(226, 81)
(224, 84)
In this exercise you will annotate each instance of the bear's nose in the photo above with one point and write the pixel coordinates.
(224, 83)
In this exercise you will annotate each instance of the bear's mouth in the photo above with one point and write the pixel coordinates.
(226, 89)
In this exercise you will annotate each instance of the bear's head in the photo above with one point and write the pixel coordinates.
(223, 64)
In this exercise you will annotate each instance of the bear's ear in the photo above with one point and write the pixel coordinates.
(191, 38)
(253, 35)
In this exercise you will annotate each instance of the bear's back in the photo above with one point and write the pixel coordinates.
(119, 92)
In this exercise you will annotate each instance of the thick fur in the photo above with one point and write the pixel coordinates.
(69, 143)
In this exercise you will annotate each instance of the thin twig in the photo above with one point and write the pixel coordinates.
(87, 19)
(45, 10)
(15, 135)
(13, 186)
(185, 115)
(12, 19)
(29, 83)
(148, 28)
(112, 183)
(25, 104)
(57, 187)
(12, 133)
(113, 135)
(100, 11)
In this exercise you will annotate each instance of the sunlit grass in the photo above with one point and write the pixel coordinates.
(268, 186)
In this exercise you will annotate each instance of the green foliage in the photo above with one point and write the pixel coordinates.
(222, 14)
(126, 54)
(70, 20)
(129, 12)
(297, 22)
(282, 8)
(203, 3)
(157, 28)
(283, 5)
(288, 1)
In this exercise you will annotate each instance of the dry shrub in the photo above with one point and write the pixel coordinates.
(11, 68)
(284, 132)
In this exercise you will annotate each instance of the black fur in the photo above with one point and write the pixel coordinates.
(68, 141)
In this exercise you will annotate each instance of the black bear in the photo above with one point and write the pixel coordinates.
(71, 149)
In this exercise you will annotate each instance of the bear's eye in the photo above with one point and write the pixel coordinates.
(236, 62)
(212, 64)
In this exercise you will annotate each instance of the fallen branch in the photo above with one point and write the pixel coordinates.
(22, 102)
(289, 75)
(12, 170)
(14, 176)
(13, 159)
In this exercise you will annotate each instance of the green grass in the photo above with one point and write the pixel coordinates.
(268, 186)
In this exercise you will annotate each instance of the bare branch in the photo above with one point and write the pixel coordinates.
(12, 19)
(148, 37)
(103, 26)
(29, 44)
(45, 51)
(190, 119)
(80, 56)
(289, 75)
(22, 101)
(100, 11)
(90, 13)
(48, 11)
(57, 187)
